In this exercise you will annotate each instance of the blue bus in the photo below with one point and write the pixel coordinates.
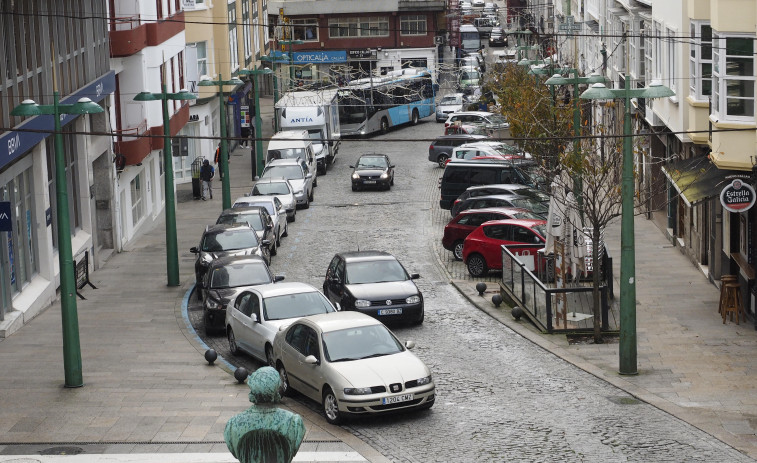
(374, 104)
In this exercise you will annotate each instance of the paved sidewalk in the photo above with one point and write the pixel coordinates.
(690, 364)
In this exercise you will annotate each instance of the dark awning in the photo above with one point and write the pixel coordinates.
(697, 179)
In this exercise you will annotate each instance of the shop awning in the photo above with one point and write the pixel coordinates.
(697, 179)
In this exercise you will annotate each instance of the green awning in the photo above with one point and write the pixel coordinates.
(697, 179)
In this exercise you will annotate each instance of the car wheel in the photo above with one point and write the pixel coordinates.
(233, 347)
(391, 182)
(414, 119)
(269, 356)
(419, 321)
(273, 249)
(331, 407)
(354, 187)
(294, 216)
(311, 196)
(315, 181)
(477, 265)
(307, 204)
(286, 230)
(284, 381)
(442, 160)
(278, 240)
(457, 249)
(384, 125)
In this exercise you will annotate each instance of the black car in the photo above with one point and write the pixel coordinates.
(223, 240)
(224, 280)
(497, 38)
(440, 150)
(376, 284)
(372, 171)
(258, 218)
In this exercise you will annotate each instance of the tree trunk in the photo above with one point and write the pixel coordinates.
(595, 276)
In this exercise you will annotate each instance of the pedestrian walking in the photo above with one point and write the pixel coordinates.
(207, 172)
(245, 135)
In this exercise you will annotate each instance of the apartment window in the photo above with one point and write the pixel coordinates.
(672, 58)
(733, 74)
(233, 50)
(648, 55)
(658, 52)
(248, 28)
(376, 26)
(305, 29)
(202, 58)
(413, 25)
(137, 204)
(700, 61)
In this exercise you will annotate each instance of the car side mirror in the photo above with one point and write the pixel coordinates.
(278, 278)
(392, 166)
(254, 318)
(338, 307)
(257, 177)
(268, 226)
(409, 344)
(266, 242)
(246, 194)
(309, 175)
(194, 250)
(352, 167)
(311, 360)
(415, 276)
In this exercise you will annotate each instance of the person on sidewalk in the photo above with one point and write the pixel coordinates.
(206, 177)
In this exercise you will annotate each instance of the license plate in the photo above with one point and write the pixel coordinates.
(369, 181)
(397, 399)
(390, 312)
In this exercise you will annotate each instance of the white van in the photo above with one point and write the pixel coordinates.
(292, 144)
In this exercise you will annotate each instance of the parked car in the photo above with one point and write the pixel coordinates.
(440, 150)
(466, 129)
(220, 241)
(259, 312)
(225, 279)
(465, 222)
(460, 174)
(449, 104)
(372, 171)
(299, 175)
(504, 200)
(482, 249)
(497, 38)
(351, 364)
(473, 61)
(478, 3)
(258, 218)
(469, 78)
(480, 148)
(483, 117)
(374, 283)
(274, 208)
(499, 189)
(280, 188)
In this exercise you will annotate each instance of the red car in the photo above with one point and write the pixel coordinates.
(482, 251)
(467, 221)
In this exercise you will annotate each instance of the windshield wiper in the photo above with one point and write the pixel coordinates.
(374, 355)
(346, 359)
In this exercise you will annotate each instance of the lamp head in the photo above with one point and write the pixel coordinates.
(26, 108)
(84, 106)
(657, 90)
(146, 96)
(205, 81)
(597, 91)
(183, 94)
(556, 79)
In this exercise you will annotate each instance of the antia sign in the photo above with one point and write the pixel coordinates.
(738, 196)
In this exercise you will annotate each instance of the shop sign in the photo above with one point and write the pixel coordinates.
(244, 116)
(738, 196)
(363, 53)
(303, 57)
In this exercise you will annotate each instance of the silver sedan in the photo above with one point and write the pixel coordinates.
(351, 364)
(282, 189)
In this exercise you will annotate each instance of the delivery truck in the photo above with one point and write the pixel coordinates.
(317, 112)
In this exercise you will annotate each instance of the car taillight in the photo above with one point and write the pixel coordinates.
(430, 148)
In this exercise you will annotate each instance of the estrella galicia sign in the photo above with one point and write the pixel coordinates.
(738, 196)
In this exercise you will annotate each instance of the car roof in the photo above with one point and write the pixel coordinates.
(229, 260)
(373, 154)
(489, 210)
(284, 162)
(271, 180)
(504, 186)
(336, 321)
(222, 227)
(468, 136)
(528, 223)
(255, 199)
(284, 288)
(518, 162)
(242, 210)
(358, 256)
(471, 113)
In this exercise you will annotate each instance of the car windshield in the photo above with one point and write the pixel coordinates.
(497, 119)
(450, 100)
(375, 271)
(316, 135)
(533, 194)
(251, 218)
(229, 240)
(469, 75)
(273, 188)
(241, 274)
(359, 343)
(295, 305)
(286, 153)
(526, 215)
(373, 161)
(531, 205)
(287, 172)
(267, 204)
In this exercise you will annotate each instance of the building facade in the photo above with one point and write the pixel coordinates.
(58, 46)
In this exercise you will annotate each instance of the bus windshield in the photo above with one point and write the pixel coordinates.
(352, 110)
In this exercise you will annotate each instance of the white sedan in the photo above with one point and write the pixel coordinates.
(259, 312)
(351, 364)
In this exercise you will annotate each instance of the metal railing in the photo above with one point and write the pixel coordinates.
(539, 301)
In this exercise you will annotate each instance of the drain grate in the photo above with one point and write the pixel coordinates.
(67, 450)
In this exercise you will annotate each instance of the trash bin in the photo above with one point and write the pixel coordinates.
(196, 186)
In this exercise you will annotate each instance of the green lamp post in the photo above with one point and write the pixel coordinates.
(275, 57)
(172, 251)
(598, 91)
(71, 347)
(206, 81)
(257, 159)
(290, 52)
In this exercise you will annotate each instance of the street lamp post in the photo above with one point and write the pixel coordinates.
(223, 154)
(172, 251)
(257, 159)
(71, 347)
(598, 91)
(291, 59)
(275, 57)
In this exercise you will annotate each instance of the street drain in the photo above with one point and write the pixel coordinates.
(624, 400)
(62, 451)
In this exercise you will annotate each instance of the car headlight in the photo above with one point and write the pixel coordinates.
(362, 303)
(385, 175)
(355, 175)
(211, 304)
(357, 390)
(413, 299)
(424, 381)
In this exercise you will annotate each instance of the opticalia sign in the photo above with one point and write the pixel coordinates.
(737, 196)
